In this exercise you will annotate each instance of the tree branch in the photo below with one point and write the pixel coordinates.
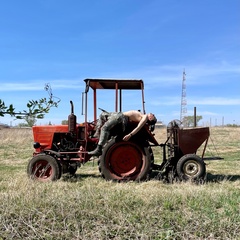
(36, 108)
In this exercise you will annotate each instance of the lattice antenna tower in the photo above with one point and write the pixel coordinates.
(183, 99)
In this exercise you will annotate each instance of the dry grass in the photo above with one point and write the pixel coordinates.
(226, 139)
(88, 207)
(15, 145)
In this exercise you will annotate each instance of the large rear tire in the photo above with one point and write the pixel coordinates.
(125, 161)
(43, 168)
(191, 167)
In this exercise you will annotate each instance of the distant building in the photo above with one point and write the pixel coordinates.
(159, 125)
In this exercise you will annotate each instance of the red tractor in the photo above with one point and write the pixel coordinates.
(63, 148)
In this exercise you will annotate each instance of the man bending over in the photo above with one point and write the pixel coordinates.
(108, 120)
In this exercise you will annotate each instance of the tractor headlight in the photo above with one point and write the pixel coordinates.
(36, 145)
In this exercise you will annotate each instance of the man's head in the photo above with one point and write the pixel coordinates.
(151, 119)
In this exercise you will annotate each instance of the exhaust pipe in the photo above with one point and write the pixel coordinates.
(72, 120)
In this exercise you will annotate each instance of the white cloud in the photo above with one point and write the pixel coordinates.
(215, 101)
(37, 85)
(196, 74)
(171, 101)
(153, 76)
(203, 113)
(20, 87)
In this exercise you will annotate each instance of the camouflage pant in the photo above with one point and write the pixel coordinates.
(107, 121)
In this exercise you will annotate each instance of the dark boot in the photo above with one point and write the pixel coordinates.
(97, 151)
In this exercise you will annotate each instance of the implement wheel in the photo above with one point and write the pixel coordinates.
(43, 168)
(191, 167)
(124, 161)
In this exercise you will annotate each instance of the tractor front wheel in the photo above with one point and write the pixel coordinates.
(43, 168)
(191, 167)
(124, 161)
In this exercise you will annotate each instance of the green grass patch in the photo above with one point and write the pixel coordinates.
(88, 207)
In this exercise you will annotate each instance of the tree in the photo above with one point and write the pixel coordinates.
(64, 122)
(36, 109)
(30, 120)
(188, 121)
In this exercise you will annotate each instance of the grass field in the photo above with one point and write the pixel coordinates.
(88, 207)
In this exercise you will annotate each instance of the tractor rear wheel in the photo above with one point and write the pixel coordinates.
(43, 168)
(125, 161)
(191, 167)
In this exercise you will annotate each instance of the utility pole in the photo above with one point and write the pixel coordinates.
(183, 99)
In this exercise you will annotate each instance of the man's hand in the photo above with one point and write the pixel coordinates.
(127, 137)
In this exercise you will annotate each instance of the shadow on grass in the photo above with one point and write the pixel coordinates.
(215, 178)
(221, 177)
(79, 177)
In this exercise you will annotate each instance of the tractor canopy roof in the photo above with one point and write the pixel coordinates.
(115, 84)
(130, 84)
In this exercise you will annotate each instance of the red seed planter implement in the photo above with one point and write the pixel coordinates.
(181, 159)
(63, 149)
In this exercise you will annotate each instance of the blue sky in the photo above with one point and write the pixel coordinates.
(63, 42)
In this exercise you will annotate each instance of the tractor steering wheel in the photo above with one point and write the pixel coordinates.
(94, 123)
(103, 110)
